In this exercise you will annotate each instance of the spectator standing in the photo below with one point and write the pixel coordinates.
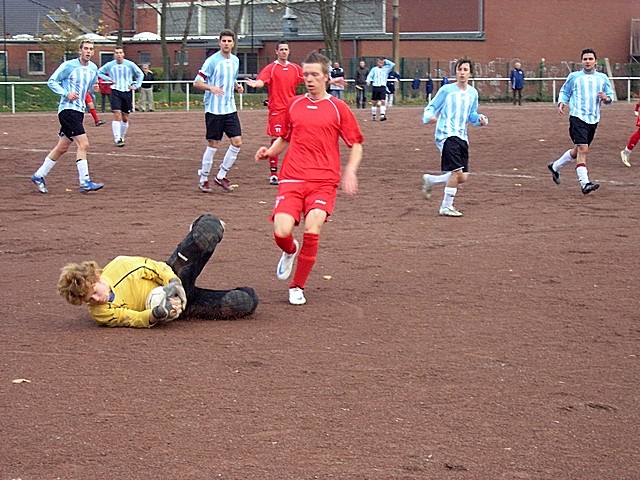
(146, 89)
(584, 91)
(71, 81)
(218, 77)
(517, 82)
(337, 74)
(126, 77)
(392, 79)
(377, 78)
(360, 81)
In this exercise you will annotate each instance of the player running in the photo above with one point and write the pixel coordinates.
(310, 175)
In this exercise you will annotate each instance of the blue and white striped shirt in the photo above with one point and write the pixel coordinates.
(220, 72)
(378, 75)
(580, 91)
(455, 108)
(72, 76)
(122, 74)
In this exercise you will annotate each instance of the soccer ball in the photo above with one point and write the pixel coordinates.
(155, 298)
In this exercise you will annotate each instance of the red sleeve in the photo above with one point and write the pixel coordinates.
(350, 130)
(265, 74)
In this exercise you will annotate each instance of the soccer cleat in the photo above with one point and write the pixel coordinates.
(373, 118)
(296, 296)
(285, 265)
(273, 180)
(204, 187)
(555, 175)
(426, 186)
(90, 186)
(590, 187)
(120, 142)
(383, 118)
(224, 183)
(624, 156)
(99, 122)
(40, 184)
(450, 212)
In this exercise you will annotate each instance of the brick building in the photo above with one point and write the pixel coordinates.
(431, 33)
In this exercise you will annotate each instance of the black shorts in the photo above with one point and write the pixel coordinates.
(217, 125)
(581, 132)
(122, 101)
(455, 155)
(378, 93)
(71, 123)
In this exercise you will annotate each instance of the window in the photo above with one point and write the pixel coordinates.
(105, 57)
(144, 57)
(35, 62)
(248, 64)
(182, 57)
(4, 68)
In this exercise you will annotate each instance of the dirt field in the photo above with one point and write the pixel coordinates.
(499, 345)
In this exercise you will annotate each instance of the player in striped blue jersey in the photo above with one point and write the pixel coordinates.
(378, 79)
(584, 91)
(72, 80)
(218, 77)
(126, 77)
(454, 106)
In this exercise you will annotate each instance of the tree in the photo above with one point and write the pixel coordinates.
(115, 11)
(330, 16)
(183, 44)
(61, 32)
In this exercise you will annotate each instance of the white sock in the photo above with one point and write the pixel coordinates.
(373, 110)
(444, 178)
(83, 170)
(207, 162)
(228, 161)
(46, 167)
(563, 160)
(627, 151)
(449, 196)
(124, 126)
(115, 128)
(383, 109)
(583, 175)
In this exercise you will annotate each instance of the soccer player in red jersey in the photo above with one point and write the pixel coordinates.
(282, 77)
(311, 171)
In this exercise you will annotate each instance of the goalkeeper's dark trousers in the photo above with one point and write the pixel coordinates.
(189, 259)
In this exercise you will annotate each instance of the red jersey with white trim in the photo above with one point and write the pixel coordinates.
(313, 129)
(282, 81)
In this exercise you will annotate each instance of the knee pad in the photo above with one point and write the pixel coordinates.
(204, 235)
(239, 303)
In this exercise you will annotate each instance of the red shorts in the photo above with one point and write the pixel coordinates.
(275, 124)
(299, 198)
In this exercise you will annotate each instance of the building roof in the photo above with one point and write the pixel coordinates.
(26, 16)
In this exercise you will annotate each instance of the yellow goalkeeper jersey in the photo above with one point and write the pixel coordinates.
(131, 279)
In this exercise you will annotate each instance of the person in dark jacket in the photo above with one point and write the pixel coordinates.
(360, 81)
(517, 82)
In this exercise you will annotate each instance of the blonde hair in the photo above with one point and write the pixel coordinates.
(77, 281)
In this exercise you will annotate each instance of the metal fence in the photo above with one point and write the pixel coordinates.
(180, 95)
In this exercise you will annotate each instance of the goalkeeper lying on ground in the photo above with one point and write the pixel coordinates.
(117, 294)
